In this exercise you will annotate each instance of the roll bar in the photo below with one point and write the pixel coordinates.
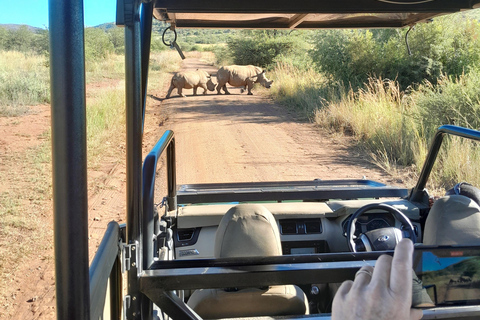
(418, 192)
(69, 158)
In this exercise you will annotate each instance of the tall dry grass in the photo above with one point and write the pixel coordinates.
(302, 90)
(25, 176)
(24, 81)
(395, 128)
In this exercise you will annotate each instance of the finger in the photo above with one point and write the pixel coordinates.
(416, 314)
(363, 277)
(401, 275)
(381, 272)
(344, 288)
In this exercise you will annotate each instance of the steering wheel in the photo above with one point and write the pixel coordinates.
(379, 239)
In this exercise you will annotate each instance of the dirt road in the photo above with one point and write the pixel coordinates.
(242, 138)
(219, 138)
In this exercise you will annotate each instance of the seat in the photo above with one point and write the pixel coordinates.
(453, 220)
(248, 230)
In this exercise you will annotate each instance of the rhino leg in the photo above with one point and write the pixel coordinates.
(169, 91)
(180, 93)
(195, 90)
(250, 86)
(219, 87)
(204, 86)
(225, 89)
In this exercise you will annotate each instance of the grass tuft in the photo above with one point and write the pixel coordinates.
(24, 81)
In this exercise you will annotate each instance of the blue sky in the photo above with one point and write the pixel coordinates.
(433, 263)
(35, 12)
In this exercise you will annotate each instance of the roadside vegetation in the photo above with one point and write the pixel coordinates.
(365, 84)
(25, 176)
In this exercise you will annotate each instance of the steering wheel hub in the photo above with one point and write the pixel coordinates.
(382, 238)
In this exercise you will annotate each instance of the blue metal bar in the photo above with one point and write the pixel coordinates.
(101, 269)
(149, 172)
(417, 192)
(69, 157)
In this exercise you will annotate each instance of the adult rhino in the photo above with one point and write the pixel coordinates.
(189, 80)
(241, 76)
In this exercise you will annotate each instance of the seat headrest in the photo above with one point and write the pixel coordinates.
(453, 220)
(467, 190)
(247, 230)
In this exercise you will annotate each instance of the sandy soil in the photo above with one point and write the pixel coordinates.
(219, 138)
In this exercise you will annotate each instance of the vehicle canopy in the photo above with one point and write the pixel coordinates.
(80, 290)
(273, 14)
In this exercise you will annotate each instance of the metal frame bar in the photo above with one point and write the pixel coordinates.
(146, 17)
(311, 6)
(134, 120)
(289, 190)
(149, 173)
(69, 157)
(105, 266)
(418, 190)
(165, 276)
(253, 274)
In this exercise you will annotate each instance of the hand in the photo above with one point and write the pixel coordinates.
(383, 292)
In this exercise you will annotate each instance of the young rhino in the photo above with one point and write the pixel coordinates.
(241, 76)
(189, 80)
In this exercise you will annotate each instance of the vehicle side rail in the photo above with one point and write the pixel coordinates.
(166, 142)
(311, 190)
(105, 273)
(418, 191)
(159, 283)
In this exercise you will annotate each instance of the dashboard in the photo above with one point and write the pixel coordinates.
(305, 227)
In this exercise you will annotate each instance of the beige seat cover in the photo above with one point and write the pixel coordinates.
(248, 230)
(453, 220)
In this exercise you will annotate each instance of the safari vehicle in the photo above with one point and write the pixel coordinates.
(152, 267)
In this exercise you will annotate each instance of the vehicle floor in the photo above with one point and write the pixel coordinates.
(219, 138)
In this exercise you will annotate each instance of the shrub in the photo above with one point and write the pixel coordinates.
(447, 45)
(264, 47)
(97, 44)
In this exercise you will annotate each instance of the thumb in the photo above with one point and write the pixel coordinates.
(416, 314)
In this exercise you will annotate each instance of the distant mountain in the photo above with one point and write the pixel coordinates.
(17, 26)
(106, 26)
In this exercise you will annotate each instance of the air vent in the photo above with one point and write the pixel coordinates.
(289, 227)
(313, 227)
(185, 234)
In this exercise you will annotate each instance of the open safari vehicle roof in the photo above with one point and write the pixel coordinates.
(81, 289)
(304, 14)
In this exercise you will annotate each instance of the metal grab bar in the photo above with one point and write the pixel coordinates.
(106, 266)
(417, 192)
(167, 141)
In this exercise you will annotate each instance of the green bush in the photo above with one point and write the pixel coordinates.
(117, 38)
(22, 39)
(262, 48)
(447, 45)
(97, 44)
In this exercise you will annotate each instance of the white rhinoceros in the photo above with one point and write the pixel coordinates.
(241, 76)
(189, 80)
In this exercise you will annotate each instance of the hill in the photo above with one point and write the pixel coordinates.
(17, 26)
